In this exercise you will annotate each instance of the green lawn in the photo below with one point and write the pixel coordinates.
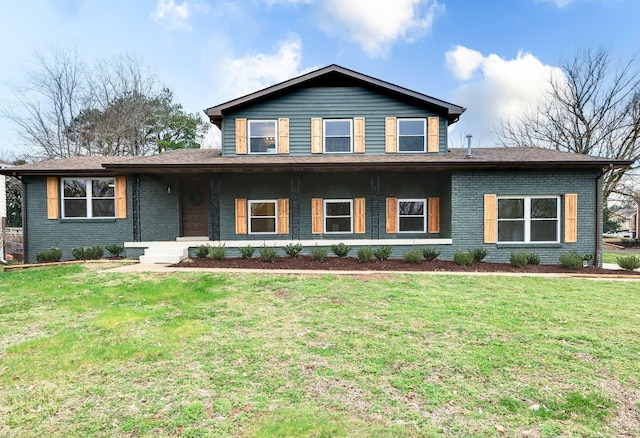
(84, 353)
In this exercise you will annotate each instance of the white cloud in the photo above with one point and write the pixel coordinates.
(463, 62)
(558, 3)
(172, 15)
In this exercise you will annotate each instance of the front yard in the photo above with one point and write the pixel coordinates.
(89, 353)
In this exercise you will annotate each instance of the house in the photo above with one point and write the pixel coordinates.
(331, 156)
(627, 218)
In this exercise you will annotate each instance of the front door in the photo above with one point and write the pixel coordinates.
(195, 207)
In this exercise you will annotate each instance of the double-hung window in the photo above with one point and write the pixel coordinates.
(412, 135)
(529, 219)
(412, 216)
(263, 217)
(338, 216)
(338, 135)
(88, 198)
(262, 136)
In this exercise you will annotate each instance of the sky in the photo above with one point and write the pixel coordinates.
(491, 56)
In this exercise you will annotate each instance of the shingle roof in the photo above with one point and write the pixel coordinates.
(60, 166)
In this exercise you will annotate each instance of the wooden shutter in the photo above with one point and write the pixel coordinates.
(359, 215)
(359, 135)
(241, 216)
(571, 217)
(241, 136)
(316, 216)
(53, 193)
(121, 197)
(433, 215)
(433, 140)
(390, 127)
(316, 136)
(283, 216)
(283, 136)
(392, 215)
(490, 218)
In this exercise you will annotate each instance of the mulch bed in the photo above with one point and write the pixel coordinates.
(352, 264)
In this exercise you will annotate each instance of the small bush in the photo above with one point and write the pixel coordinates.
(462, 258)
(571, 260)
(533, 259)
(629, 262)
(202, 251)
(50, 255)
(318, 253)
(268, 254)
(78, 253)
(478, 254)
(87, 253)
(383, 252)
(414, 256)
(365, 254)
(246, 252)
(430, 254)
(218, 252)
(293, 250)
(519, 259)
(114, 250)
(341, 250)
(587, 257)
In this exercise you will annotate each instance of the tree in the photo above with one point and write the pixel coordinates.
(592, 108)
(14, 202)
(609, 224)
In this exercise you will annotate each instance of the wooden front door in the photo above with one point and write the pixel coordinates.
(194, 201)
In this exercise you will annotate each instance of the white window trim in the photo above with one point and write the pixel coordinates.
(527, 218)
(249, 216)
(324, 215)
(88, 198)
(324, 135)
(424, 134)
(424, 215)
(249, 122)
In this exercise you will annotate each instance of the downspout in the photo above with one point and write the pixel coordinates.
(598, 257)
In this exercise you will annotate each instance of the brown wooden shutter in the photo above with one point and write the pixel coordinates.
(359, 215)
(433, 215)
(241, 136)
(490, 218)
(283, 216)
(392, 215)
(53, 193)
(121, 197)
(316, 136)
(283, 136)
(433, 141)
(390, 127)
(316, 215)
(359, 135)
(571, 217)
(241, 216)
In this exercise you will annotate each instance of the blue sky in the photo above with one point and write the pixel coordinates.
(489, 56)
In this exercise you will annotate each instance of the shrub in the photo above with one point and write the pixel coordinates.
(430, 254)
(629, 262)
(114, 250)
(533, 259)
(478, 254)
(49, 255)
(365, 254)
(587, 257)
(318, 253)
(383, 252)
(87, 253)
(218, 252)
(202, 251)
(462, 258)
(341, 250)
(519, 259)
(246, 252)
(571, 260)
(268, 254)
(293, 250)
(78, 253)
(414, 256)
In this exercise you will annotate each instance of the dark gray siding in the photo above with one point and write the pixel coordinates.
(159, 210)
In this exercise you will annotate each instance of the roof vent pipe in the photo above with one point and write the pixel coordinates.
(469, 145)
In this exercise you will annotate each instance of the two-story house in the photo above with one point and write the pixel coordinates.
(331, 156)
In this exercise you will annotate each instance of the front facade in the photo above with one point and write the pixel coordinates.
(332, 156)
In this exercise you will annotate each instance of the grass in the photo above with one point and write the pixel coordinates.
(88, 353)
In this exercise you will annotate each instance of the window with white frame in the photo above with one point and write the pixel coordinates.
(263, 217)
(529, 219)
(88, 198)
(338, 135)
(262, 136)
(412, 217)
(412, 135)
(338, 216)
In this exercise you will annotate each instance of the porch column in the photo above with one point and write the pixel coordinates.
(294, 205)
(214, 207)
(137, 232)
(375, 206)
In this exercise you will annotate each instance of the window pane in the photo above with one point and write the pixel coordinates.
(339, 128)
(411, 144)
(262, 129)
(412, 224)
(338, 208)
(411, 208)
(103, 208)
(263, 145)
(75, 208)
(411, 127)
(75, 188)
(510, 208)
(510, 231)
(337, 144)
(263, 209)
(263, 225)
(544, 208)
(544, 231)
(102, 188)
(338, 224)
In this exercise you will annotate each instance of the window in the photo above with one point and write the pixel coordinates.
(528, 219)
(338, 135)
(338, 217)
(88, 198)
(411, 135)
(411, 215)
(262, 217)
(262, 137)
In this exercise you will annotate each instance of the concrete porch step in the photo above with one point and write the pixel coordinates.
(164, 254)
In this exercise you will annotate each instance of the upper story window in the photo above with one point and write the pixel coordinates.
(412, 135)
(529, 219)
(412, 216)
(338, 135)
(262, 136)
(262, 217)
(88, 198)
(338, 217)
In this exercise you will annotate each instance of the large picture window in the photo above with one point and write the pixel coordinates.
(338, 135)
(262, 217)
(338, 216)
(88, 198)
(262, 136)
(412, 216)
(411, 135)
(529, 219)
